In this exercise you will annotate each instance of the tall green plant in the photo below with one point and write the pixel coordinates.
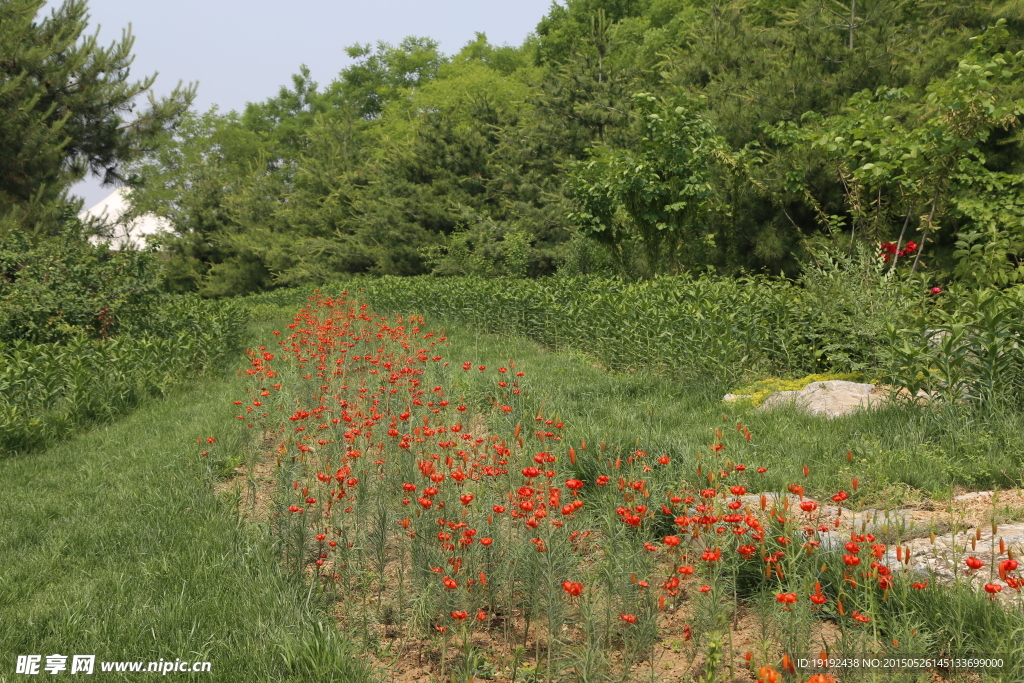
(49, 390)
(658, 192)
(850, 300)
(967, 348)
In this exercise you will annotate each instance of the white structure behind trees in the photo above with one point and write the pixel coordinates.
(119, 230)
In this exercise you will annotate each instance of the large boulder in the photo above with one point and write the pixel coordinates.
(833, 398)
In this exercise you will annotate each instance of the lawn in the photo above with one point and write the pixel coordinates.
(115, 544)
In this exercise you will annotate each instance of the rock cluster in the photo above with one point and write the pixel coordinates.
(935, 549)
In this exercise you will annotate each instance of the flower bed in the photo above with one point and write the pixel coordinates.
(438, 506)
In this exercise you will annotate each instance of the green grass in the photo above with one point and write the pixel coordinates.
(894, 450)
(114, 543)
(895, 447)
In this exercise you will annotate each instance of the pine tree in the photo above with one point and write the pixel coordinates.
(65, 103)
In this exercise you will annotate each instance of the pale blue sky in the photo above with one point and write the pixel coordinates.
(244, 51)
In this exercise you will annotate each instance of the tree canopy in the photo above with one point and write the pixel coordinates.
(636, 136)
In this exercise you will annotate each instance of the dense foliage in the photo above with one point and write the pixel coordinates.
(638, 138)
(49, 390)
(62, 286)
(843, 316)
(706, 327)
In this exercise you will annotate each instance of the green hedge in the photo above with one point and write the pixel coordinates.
(712, 327)
(49, 390)
(837, 318)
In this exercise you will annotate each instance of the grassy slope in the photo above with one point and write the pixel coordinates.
(114, 544)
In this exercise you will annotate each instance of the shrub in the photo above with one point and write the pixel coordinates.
(59, 288)
(49, 390)
(964, 346)
(725, 329)
(849, 300)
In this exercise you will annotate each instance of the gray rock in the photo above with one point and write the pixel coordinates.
(974, 495)
(832, 398)
(945, 559)
(941, 556)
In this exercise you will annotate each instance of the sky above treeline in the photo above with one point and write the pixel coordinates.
(242, 52)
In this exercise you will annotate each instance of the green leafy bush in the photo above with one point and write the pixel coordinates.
(59, 288)
(849, 299)
(966, 346)
(85, 334)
